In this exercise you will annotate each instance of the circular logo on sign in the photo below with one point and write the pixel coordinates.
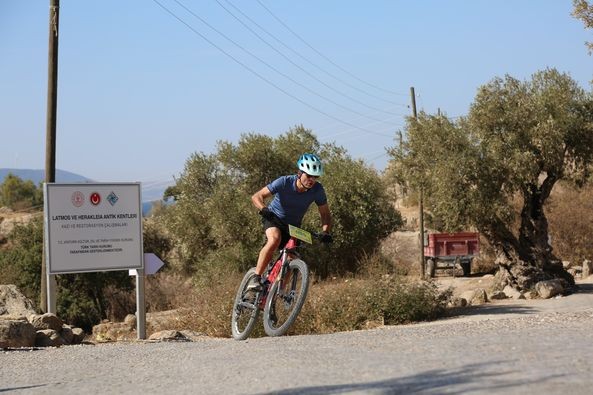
(77, 199)
(95, 198)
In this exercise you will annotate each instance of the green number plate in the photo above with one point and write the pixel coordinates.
(300, 234)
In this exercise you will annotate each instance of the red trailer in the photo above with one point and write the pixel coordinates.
(445, 250)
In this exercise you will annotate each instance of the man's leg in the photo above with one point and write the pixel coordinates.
(274, 236)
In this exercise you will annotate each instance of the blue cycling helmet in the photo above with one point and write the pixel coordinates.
(310, 164)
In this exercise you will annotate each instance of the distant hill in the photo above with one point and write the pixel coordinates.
(38, 176)
(151, 191)
(154, 190)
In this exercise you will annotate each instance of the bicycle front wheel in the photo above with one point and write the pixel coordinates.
(245, 310)
(286, 298)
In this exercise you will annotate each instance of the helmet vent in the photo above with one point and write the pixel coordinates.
(310, 164)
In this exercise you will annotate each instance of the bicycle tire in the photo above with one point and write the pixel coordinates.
(245, 312)
(282, 307)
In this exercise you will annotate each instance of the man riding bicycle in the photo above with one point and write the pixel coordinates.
(293, 195)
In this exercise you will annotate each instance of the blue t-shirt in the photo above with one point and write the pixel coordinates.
(289, 204)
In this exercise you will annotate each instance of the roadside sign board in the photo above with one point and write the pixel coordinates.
(93, 227)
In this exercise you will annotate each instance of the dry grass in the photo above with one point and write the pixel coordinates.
(570, 217)
(352, 304)
(337, 305)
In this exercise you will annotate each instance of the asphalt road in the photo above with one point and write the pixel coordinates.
(542, 347)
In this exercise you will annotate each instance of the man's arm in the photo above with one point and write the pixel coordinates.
(259, 198)
(326, 218)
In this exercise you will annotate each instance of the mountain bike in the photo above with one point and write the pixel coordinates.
(284, 290)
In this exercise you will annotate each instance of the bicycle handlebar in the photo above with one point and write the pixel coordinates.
(321, 236)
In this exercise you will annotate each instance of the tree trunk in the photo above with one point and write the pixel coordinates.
(528, 259)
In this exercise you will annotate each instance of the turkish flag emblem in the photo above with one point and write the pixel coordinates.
(95, 198)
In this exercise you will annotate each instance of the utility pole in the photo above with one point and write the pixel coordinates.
(421, 196)
(48, 282)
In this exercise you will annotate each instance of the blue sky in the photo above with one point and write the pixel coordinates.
(139, 91)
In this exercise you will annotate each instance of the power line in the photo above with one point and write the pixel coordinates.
(335, 103)
(298, 66)
(347, 131)
(261, 76)
(325, 57)
(311, 62)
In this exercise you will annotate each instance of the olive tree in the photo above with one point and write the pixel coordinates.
(518, 140)
(19, 194)
(583, 10)
(214, 224)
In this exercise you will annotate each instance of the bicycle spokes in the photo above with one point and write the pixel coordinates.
(248, 302)
(245, 309)
(286, 299)
(289, 289)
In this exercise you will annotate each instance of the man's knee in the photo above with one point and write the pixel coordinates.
(272, 243)
(274, 236)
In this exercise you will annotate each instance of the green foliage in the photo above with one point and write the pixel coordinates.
(583, 10)
(82, 299)
(18, 194)
(215, 224)
(362, 211)
(154, 238)
(518, 140)
(400, 303)
(20, 260)
(170, 192)
(440, 159)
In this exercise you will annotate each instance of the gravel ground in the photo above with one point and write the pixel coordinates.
(518, 347)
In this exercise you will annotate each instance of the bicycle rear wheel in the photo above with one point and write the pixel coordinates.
(284, 303)
(245, 310)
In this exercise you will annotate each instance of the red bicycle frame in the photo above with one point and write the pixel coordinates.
(276, 269)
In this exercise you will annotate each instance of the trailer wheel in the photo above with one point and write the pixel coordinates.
(466, 266)
(430, 268)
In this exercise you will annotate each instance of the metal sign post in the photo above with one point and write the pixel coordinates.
(140, 305)
(152, 264)
(52, 305)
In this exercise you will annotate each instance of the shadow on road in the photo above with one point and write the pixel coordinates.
(491, 309)
(475, 377)
(586, 288)
(21, 388)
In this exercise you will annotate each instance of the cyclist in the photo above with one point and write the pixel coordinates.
(293, 195)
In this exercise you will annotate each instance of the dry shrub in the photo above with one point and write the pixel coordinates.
(204, 308)
(168, 291)
(570, 217)
(119, 303)
(403, 250)
(351, 304)
(211, 312)
(377, 264)
(10, 274)
(331, 306)
(163, 291)
(336, 305)
(485, 262)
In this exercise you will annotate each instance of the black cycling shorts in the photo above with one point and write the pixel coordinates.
(283, 230)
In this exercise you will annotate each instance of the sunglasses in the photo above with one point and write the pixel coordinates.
(309, 176)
